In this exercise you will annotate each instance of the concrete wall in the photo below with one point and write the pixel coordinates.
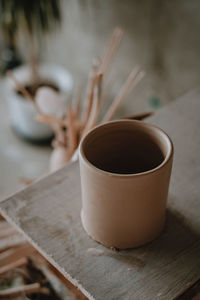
(161, 36)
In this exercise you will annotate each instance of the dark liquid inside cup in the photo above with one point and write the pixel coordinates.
(124, 152)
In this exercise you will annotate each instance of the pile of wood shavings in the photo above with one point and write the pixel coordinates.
(25, 274)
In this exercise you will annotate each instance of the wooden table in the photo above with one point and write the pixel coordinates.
(48, 214)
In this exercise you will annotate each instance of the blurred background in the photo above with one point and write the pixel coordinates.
(48, 47)
(162, 37)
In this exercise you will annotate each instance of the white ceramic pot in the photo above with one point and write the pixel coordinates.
(22, 112)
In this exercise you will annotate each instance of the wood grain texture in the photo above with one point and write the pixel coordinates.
(48, 213)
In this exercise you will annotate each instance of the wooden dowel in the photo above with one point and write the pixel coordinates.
(76, 101)
(71, 133)
(5, 254)
(24, 91)
(51, 120)
(111, 49)
(8, 232)
(96, 106)
(132, 80)
(15, 240)
(56, 125)
(108, 86)
(90, 91)
(23, 290)
(21, 262)
(99, 87)
(108, 49)
(20, 87)
(94, 113)
(13, 254)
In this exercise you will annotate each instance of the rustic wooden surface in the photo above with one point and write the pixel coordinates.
(48, 213)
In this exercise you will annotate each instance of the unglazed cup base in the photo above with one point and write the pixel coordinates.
(123, 246)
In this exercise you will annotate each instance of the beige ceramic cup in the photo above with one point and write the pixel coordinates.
(125, 168)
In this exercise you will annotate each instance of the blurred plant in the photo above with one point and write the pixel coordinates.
(33, 18)
(71, 123)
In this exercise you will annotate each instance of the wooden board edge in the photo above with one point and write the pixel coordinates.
(75, 282)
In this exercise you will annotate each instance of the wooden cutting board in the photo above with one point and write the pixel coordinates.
(48, 214)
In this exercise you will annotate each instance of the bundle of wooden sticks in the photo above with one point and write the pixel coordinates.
(82, 115)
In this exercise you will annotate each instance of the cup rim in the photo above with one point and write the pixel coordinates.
(168, 156)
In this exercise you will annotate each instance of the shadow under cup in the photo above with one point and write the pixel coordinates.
(125, 170)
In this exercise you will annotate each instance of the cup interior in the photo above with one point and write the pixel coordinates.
(126, 147)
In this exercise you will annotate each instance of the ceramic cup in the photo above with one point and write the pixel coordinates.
(125, 168)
